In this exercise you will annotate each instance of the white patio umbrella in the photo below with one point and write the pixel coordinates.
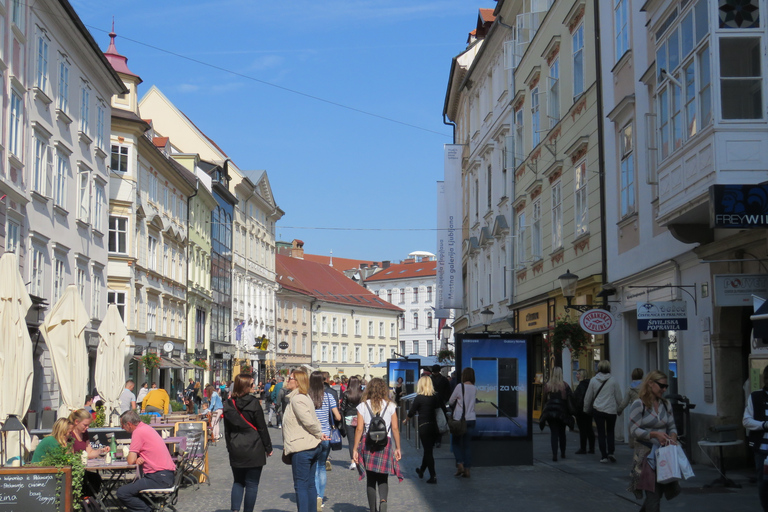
(16, 370)
(64, 333)
(110, 359)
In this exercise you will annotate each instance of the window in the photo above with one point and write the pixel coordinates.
(535, 118)
(84, 197)
(402, 296)
(415, 349)
(99, 209)
(62, 102)
(430, 348)
(58, 279)
(344, 327)
(402, 322)
(557, 216)
(335, 354)
(415, 294)
(621, 27)
(14, 133)
(429, 294)
(357, 328)
(41, 80)
(382, 357)
(519, 133)
(370, 328)
(536, 229)
(324, 353)
(39, 166)
(81, 283)
(578, 61)
(553, 102)
(165, 260)
(37, 272)
(581, 205)
(392, 331)
(85, 108)
(357, 353)
(370, 354)
(151, 253)
(389, 296)
(521, 253)
(97, 283)
(12, 237)
(741, 83)
(381, 329)
(100, 109)
(415, 321)
(429, 320)
(488, 187)
(627, 171)
(152, 315)
(334, 325)
(17, 13)
(324, 324)
(118, 299)
(477, 198)
(60, 180)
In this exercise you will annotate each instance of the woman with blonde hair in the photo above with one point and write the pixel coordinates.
(555, 411)
(378, 463)
(426, 404)
(302, 435)
(81, 420)
(59, 437)
(651, 422)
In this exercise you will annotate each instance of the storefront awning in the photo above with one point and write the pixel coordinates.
(183, 364)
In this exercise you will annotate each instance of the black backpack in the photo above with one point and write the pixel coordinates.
(377, 431)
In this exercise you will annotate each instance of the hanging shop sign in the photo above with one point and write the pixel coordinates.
(597, 321)
(738, 206)
(283, 345)
(738, 289)
(662, 316)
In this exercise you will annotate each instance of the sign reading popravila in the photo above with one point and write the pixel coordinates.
(662, 316)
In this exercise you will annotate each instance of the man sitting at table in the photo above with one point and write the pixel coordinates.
(157, 400)
(149, 452)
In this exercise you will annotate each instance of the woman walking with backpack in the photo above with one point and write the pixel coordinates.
(376, 452)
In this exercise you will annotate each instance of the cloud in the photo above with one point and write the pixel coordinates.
(266, 62)
(186, 88)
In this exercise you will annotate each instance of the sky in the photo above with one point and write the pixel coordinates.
(339, 101)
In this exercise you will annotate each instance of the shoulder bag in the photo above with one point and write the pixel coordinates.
(335, 434)
(241, 415)
(591, 408)
(442, 421)
(459, 427)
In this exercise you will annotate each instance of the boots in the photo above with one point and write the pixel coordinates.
(466, 473)
(459, 470)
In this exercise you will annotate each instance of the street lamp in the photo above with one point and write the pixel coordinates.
(445, 334)
(150, 335)
(487, 316)
(568, 283)
(12, 424)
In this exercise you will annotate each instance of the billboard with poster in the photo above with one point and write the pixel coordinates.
(407, 369)
(502, 381)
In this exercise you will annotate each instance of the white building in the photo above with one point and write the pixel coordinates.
(54, 164)
(412, 286)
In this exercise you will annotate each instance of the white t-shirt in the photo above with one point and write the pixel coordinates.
(126, 397)
(385, 413)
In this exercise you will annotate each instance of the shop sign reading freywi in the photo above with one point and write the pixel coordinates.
(662, 316)
(597, 321)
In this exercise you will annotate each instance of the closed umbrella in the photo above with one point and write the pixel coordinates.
(64, 333)
(110, 359)
(15, 348)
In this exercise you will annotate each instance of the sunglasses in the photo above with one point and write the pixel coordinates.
(662, 386)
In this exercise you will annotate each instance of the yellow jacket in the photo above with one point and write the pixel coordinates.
(157, 398)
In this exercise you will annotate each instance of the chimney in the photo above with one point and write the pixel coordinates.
(385, 264)
(297, 250)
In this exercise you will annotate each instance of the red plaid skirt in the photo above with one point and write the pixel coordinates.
(380, 461)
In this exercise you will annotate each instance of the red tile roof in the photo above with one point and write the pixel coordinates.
(487, 15)
(405, 271)
(325, 283)
(160, 142)
(340, 263)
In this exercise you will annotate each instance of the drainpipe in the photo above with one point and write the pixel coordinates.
(189, 201)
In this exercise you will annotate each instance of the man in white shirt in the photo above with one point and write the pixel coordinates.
(127, 398)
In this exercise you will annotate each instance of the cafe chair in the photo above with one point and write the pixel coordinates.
(161, 499)
(196, 465)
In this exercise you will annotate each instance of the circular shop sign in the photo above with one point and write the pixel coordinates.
(283, 345)
(597, 321)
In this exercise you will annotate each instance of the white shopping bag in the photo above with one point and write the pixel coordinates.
(667, 467)
(685, 467)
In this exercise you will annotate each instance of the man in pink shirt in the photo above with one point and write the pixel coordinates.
(149, 452)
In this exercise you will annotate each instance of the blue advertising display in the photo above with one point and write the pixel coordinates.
(501, 378)
(406, 369)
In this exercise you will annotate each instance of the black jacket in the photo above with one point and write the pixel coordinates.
(556, 408)
(579, 395)
(247, 447)
(425, 406)
(442, 387)
(348, 407)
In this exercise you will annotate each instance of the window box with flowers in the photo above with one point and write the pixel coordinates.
(201, 363)
(150, 362)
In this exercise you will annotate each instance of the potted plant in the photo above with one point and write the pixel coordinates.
(445, 355)
(150, 361)
(61, 457)
(569, 334)
(201, 363)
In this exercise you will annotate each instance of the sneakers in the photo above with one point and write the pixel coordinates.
(611, 457)
(420, 472)
(604, 460)
(352, 465)
(319, 504)
(328, 466)
(280, 427)
(432, 480)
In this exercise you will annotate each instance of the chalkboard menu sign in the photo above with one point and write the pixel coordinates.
(30, 488)
(195, 432)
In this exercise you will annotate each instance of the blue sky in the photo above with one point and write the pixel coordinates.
(329, 167)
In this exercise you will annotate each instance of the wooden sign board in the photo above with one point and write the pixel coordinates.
(29, 488)
(195, 432)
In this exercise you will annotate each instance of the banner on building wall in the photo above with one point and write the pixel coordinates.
(738, 289)
(738, 206)
(662, 316)
(449, 277)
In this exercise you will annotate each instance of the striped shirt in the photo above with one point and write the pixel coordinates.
(644, 420)
(323, 413)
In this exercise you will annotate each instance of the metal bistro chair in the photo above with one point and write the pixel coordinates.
(197, 458)
(160, 499)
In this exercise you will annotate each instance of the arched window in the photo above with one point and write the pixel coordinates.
(429, 320)
(415, 320)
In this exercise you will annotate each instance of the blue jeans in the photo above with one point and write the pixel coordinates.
(462, 445)
(304, 467)
(246, 480)
(321, 475)
(129, 493)
(762, 481)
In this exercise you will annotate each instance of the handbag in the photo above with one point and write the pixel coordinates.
(667, 466)
(647, 481)
(442, 421)
(286, 458)
(335, 439)
(591, 408)
(241, 415)
(685, 466)
(459, 427)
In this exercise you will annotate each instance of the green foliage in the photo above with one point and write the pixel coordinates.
(146, 418)
(177, 406)
(150, 361)
(446, 355)
(571, 335)
(60, 457)
(201, 363)
(101, 417)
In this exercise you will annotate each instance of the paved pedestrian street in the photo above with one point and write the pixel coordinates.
(580, 482)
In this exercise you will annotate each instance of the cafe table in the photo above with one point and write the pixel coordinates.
(113, 475)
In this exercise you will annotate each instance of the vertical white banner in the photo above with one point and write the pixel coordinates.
(449, 277)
